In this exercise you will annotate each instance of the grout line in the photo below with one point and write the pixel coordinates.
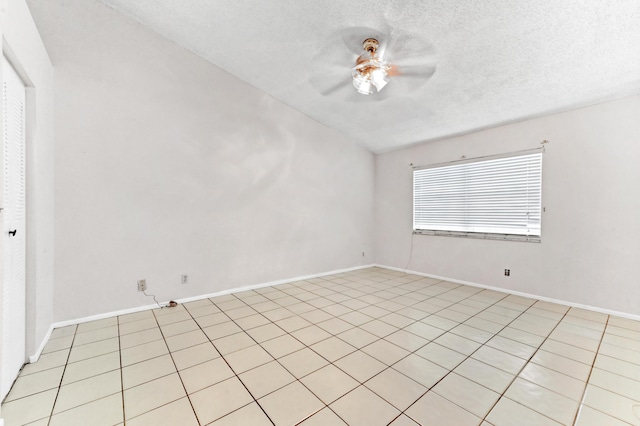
(55, 401)
(502, 395)
(451, 370)
(227, 362)
(124, 417)
(593, 363)
(164, 339)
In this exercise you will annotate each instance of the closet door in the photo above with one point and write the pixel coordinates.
(13, 218)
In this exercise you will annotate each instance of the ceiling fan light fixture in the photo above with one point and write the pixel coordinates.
(370, 71)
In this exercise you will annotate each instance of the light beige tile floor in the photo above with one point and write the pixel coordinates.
(368, 347)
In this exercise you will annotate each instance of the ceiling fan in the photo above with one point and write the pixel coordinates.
(364, 61)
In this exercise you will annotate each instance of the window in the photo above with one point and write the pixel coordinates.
(493, 197)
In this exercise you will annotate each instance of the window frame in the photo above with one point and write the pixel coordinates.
(528, 237)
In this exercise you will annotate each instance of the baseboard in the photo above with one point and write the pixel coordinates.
(518, 293)
(272, 283)
(59, 324)
(35, 357)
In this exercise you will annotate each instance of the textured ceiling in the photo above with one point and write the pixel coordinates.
(496, 61)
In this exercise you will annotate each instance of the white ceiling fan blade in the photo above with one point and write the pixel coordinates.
(404, 45)
(330, 68)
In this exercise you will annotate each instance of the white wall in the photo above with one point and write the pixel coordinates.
(590, 246)
(167, 165)
(22, 45)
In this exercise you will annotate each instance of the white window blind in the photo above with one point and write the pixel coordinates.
(489, 198)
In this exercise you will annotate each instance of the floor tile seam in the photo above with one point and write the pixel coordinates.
(137, 331)
(618, 356)
(506, 351)
(135, 346)
(528, 408)
(126, 419)
(611, 333)
(186, 393)
(360, 384)
(465, 408)
(536, 333)
(556, 339)
(526, 319)
(242, 330)
(619, 325)
(89, 377)
(23, 374)
(601, 412)
(91, 357)
(150, 380)
(130, 321)
(101, 329)
(87, 403)
(46, 352)
(387, 367)
(581, 335)
(316, 412)
(236, 375)
(402, 411)
(552, 368)
(635, 366)
(596, 326)
(305, 346)
(55, 400)
(328, 407)
(450, 370)
(515, 376)
(54, 339)
(213, 422)
(6, 401)
(617, 374)
(578, 400)
(199, 363)
(94, 341)
(297, 379)
(121, 370)
(624, 347)
(459, 323)
(611, 391)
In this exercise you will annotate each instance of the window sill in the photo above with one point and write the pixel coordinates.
(482, 236)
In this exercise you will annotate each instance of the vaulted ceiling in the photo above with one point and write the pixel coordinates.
(495, 62)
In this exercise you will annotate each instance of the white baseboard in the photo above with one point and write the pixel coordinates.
(272, 283)
(518, 293)
(35, 357)
(59, 324)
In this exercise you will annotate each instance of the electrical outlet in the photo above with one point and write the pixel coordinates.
(142, 285)
(184, 279)
(507, 272)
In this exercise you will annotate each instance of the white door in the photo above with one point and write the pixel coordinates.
(13, 318)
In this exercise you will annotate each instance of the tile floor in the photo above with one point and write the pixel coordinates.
(368, 347)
